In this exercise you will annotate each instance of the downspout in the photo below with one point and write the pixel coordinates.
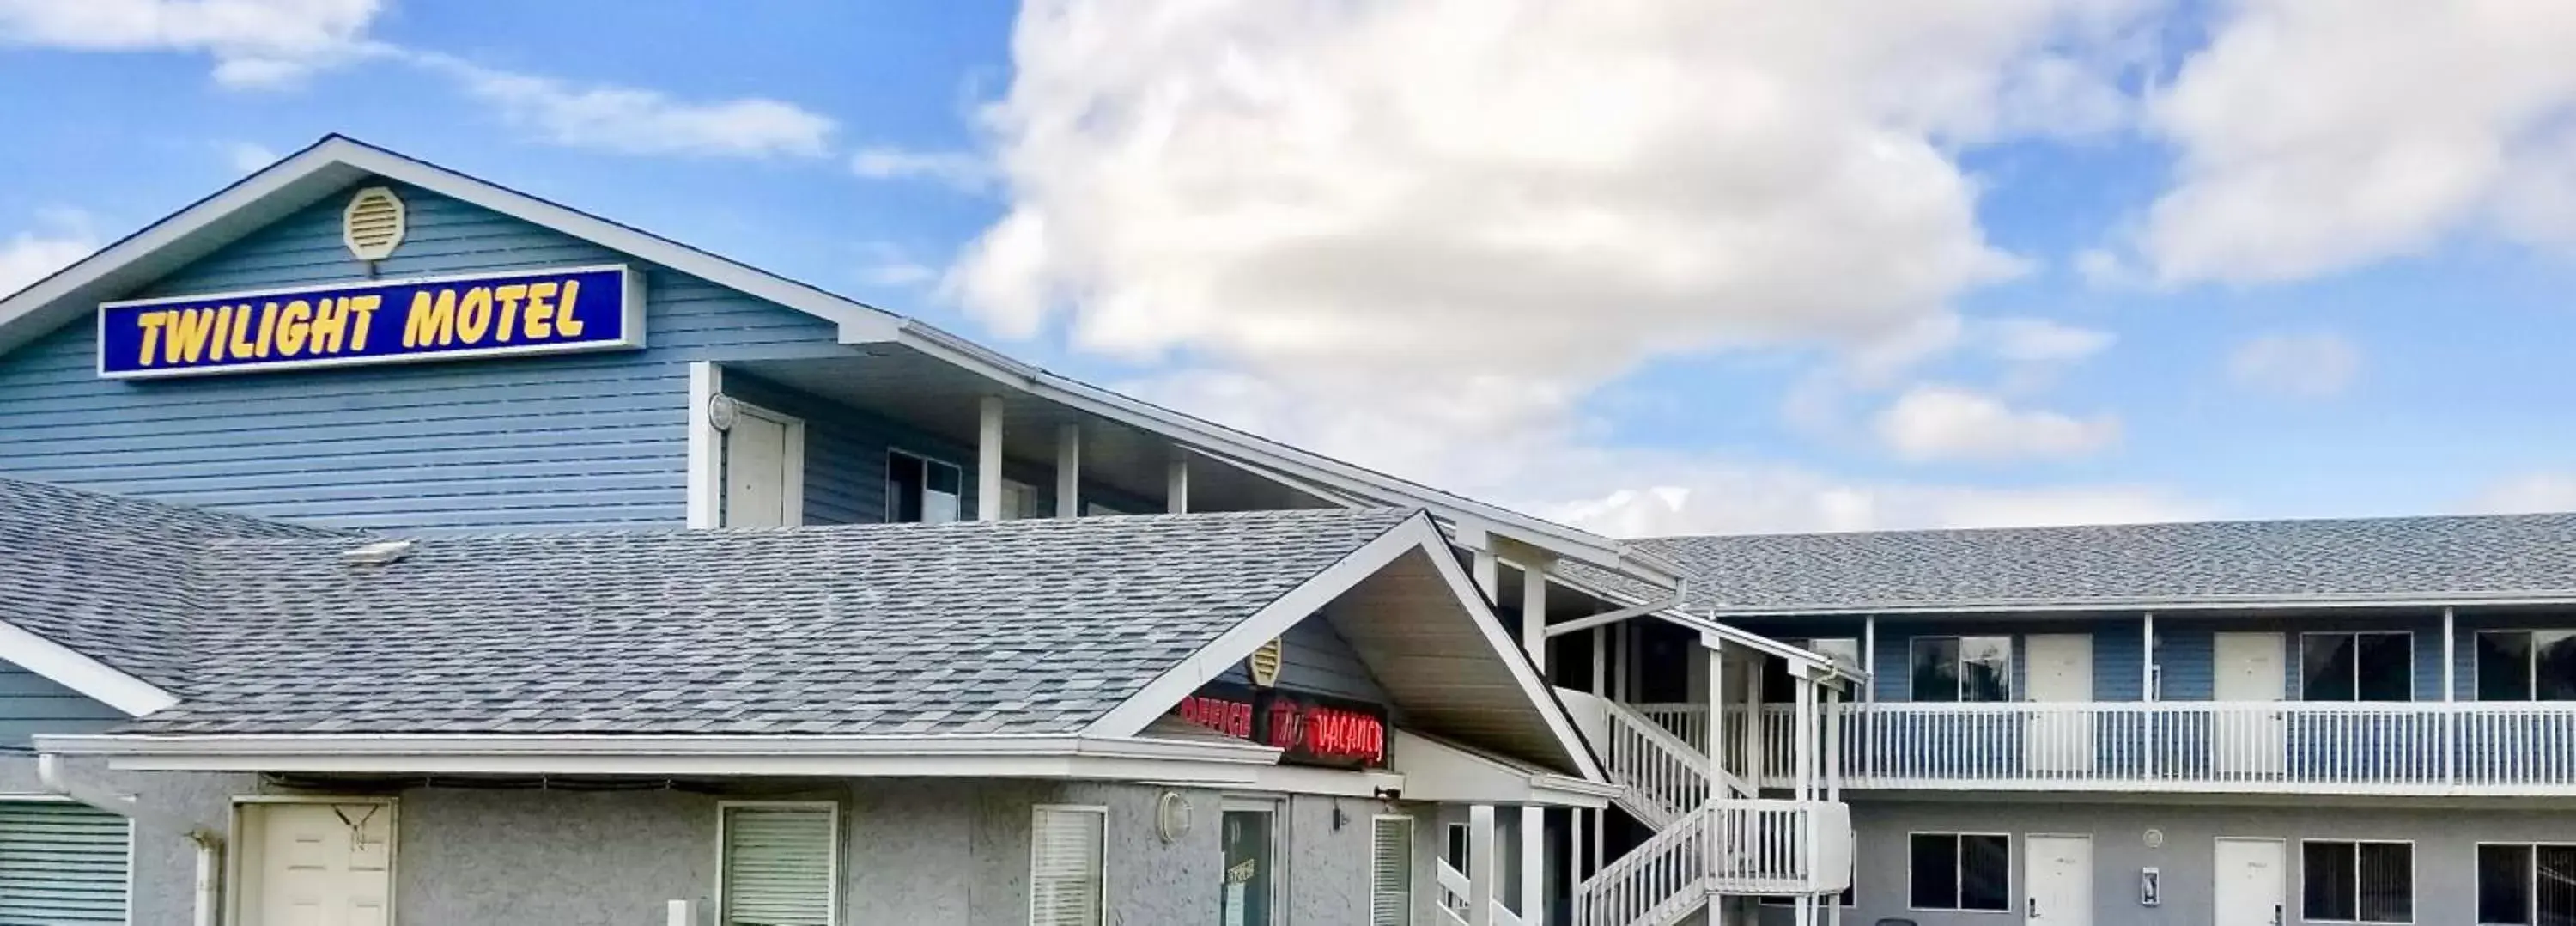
(210, 844)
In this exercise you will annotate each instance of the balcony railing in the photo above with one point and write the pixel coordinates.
(2481, 748)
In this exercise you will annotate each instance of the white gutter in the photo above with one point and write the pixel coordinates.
(210, 845)
(1070, 757)
(2130, 604)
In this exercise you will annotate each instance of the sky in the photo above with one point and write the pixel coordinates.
(1690, 266)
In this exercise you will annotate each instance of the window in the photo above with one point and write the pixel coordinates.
(922, 490)
(1251, 841)
(62, 862)
(1065, 881)
(1961, 871)
(1962, 669)
(2357, 666)
(1778, 685)
(779, 864)
(2526, 665)
(1391, 871)
(2526, 885)
(1020, 500)
(2357, 882)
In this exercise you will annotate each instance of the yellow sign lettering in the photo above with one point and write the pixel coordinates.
(150, 323)
(189, 331)
(268, 328)
(508, 297)
(430, 319)
(363, 309)
(330, 325)
(474, 315)
(566, 323)
(540, 323)
(293, 323)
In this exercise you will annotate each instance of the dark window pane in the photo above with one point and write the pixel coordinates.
(2504, 885)
(1985, 873)
(2387, 882)
(942, 487)
(1936, 669)
(2554, 887)
(2554, 665)
(1985, 668)
(2325, 667)
(903, 488)
(1936, 871)
(2325, 874)
(2504, 665)
(2386, 666)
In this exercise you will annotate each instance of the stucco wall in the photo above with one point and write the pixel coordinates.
(578, 858)
(165, 860)
(2444, 838)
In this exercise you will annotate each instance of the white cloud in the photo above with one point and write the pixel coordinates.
(29, 256)
(1936, 422)
(255, 43)
(962, 170)
(2309, 365)
(246, 157)
(890, 264)
(1759, 500)
(2316, 137)
(2530, 492)
(2040, 340)
(630, 120)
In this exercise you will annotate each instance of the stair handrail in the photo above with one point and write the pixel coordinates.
(1454, 894)
(1663, 877)
(1671, 772)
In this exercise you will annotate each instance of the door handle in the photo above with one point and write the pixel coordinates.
(2276, 915)
(2034, 908)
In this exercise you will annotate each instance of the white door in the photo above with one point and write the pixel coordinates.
(2058, 874)
(2060, 667)
(764, 470)
(323, 864)
(2253, 882)
(2247, 670)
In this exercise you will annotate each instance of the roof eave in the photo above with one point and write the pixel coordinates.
(2137, 604)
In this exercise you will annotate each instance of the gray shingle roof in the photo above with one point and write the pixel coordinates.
(1019, 627)
(2441, 558)
(101, 574)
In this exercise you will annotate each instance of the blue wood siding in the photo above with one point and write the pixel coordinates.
(31, 704)
(1313, 658)
(534, 443)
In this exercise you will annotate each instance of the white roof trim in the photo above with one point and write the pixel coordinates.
(1441, 771)
(95, 680)
(1415, 534)
(1063, 757)
(2094, 607)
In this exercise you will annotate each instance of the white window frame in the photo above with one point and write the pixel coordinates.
(1099, 810)
(1959, 871)
(1959, 674)
(2530, 672)
(1411, 889)
(1015, 490)
(791, 489)
(2533, 875)
(2299, 669)
(963, 512)
(832, 809)
(133, 856)
(2414, 865)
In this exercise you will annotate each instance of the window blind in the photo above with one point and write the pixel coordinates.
(1064, 866)
(1391, 872)
(61, 863)
(777, 866)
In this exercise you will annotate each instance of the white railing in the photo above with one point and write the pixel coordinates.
(1454, 905)
(2475, 748)
(1662, 775)
(1781, 847)
(1659, 881)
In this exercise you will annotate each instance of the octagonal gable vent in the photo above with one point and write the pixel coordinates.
(373, 225)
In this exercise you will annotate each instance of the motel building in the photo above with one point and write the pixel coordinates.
(382, 545)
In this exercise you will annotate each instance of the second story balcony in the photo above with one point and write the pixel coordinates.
(2484, 749)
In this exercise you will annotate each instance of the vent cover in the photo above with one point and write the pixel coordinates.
(373, 225)
(1264, 664)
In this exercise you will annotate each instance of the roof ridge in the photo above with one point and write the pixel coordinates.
(2121, 525)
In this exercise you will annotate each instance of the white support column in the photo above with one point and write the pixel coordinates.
(706, 447)
(1533, 901)
(1834, 704)
(1068, 471)
(1806, 738)
(1481, 865)
(2147, 663)
(988, 460)
(1489, 574)
(1534, 613)
(2450, 636)
(1600, 661)
(1716, 717)
(1869, 656)
(1176, 483)
(1756, 765)
(2450, 692)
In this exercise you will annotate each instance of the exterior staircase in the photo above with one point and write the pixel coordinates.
(1714, 834)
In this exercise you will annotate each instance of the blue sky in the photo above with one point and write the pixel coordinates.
(1660, 268)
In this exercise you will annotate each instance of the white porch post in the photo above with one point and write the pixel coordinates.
(1481, 866)
(2450, 692)
(2147, 689)
(1489, 574)
(1869, 656)
(1176, 483)
(1068, 471)
(1756, 765)
(1806, 729)
(1834, 701)
(1716, 715)
(988, 460)
(1533, 866)
(1534, 612)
